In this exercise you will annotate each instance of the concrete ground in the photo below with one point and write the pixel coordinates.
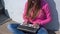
(4, 30)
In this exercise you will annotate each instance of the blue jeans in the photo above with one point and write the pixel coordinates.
(14, 30)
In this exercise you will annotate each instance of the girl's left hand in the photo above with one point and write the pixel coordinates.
(36, 25)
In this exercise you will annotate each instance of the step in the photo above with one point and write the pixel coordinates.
(3, 19)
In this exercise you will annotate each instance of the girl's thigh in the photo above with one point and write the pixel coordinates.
(13, 28)
(42, 31)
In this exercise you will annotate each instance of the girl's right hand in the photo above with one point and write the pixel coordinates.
(25, 23)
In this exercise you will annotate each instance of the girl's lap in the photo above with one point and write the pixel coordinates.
(13, 28)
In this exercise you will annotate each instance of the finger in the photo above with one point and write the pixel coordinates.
(34, 26)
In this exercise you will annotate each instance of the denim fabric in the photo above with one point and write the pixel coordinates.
(14, 30)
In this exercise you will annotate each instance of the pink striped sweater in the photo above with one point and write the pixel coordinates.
(43, 16)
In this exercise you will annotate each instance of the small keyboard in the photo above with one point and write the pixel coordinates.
(27, 28)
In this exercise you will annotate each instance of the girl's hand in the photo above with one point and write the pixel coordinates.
(24, 23)
(36, 25)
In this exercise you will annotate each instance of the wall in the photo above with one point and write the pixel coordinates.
(15, 10)
(55, 10)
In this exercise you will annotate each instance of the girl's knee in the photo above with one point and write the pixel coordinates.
(9, 26)
(13, 29)
(12, 25)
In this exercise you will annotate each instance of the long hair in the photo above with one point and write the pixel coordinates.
(37, 7)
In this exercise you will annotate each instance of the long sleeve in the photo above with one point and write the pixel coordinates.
(24, 13)
(48, 16)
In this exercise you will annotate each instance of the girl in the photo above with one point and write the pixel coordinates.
(36, 12)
